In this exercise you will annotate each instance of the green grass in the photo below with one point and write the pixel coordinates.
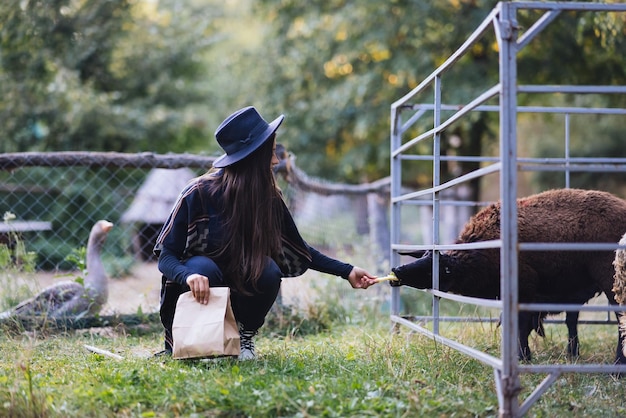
(348, 372)
(351, 370)
(336, 358)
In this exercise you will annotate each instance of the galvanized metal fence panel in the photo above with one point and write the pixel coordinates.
(407, 111)
(57, 196)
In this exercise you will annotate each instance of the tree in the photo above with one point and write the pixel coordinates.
(98, 75)
(578, 48)
(336, 66)
(111, 75)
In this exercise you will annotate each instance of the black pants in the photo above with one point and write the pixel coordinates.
(249, 310)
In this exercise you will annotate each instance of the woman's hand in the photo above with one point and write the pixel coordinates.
(199, 286)
(361, 279)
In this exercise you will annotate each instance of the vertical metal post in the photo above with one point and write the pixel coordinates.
(508, 219)
(436, 208)
(567, 150)
(396, 170)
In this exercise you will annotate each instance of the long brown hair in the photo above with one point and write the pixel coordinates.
(251, 215)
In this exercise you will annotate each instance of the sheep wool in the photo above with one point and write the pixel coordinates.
(619, 283)
(619, 286)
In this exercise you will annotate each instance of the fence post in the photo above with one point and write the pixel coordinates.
(509, 375)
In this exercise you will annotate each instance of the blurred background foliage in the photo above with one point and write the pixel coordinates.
(159, 75)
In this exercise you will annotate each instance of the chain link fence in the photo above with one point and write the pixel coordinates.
(57, 197)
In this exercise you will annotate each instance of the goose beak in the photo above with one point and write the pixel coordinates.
(106, 226)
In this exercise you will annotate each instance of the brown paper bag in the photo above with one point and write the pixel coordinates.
(205, 330)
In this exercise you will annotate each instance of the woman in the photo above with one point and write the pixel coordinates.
(230, 227)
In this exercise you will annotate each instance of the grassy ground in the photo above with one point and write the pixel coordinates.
(348, 366)
(336, 357)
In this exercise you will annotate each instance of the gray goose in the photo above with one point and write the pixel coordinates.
(71, 299)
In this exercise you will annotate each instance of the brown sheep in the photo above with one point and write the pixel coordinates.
(572, 277)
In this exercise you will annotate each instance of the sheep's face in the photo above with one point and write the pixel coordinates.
(419, 273)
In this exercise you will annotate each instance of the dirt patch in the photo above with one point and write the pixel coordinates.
(139, 290)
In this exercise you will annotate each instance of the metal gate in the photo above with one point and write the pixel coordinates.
(502, 20)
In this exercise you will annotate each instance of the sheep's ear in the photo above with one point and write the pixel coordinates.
(416, 254)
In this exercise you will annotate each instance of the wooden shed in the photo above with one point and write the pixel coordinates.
(151, 206)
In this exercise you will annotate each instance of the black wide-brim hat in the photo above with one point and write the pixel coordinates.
(242, 133)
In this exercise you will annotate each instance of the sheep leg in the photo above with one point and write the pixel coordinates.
(603, 272)
(537, 323)
(620, 357)
(525, 328)
(571, 320)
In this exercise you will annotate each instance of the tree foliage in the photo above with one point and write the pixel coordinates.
(577, 49)
(132, 75)
(338, 65)
(98, 75)
(111, 75)
(334, 67)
